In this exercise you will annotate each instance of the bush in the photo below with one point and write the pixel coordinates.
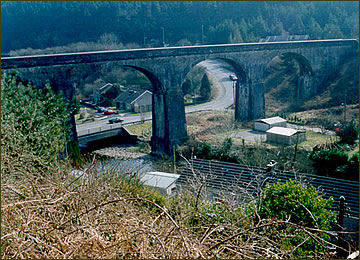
(34, 121)
(350, 133)
(352, 168)
(294, 202)
(326, 161)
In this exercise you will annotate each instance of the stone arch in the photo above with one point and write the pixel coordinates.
(160, 121)
(298, 69)
(304, 64)
(242, 86)
(155, 82)
(242, 91)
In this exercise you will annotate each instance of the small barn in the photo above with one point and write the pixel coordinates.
(135, 101)
(283, 135)
(163, 182)
(264, 124)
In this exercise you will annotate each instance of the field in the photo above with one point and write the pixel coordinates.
(215, 126)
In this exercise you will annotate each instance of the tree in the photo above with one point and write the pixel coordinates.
(235, 37)
(187, 86)
(314, 29)
(277, 28)
(297, 27)
(205, 87)
(332, 31)
(224, 32)
(34, 121)
(259, 26)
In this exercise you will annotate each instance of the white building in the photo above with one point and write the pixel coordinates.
(282, 135)
(163, 182)
(264, 124)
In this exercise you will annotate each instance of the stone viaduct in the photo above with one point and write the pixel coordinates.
(166, 69)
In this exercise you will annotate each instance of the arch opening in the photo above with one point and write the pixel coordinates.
(136, 96)
(288, 80)
(228, 79)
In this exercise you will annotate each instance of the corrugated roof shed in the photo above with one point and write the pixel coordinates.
(159, 179)
(248, 181)
(282, 131)
(272, 120)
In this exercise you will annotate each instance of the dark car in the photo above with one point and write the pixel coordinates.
(115, 120)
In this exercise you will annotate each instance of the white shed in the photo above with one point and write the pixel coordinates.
(163, 182)
(284, 135)
(267, 123)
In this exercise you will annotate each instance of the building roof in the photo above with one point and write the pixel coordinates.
(271, 120)
(130, 96)
(248, 181)
(105, 86)
(285, 37)
(159, 179)
(143, 93)
(283, 131)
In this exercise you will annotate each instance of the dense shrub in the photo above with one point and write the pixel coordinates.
(34, 121)
(350, 133)
(352, 168)
(204, 150)
(298, 204)
(326, 161)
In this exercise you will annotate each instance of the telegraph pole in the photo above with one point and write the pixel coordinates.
(163, 34)
(202, 34)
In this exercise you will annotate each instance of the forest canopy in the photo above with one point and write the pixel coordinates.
(129, 24)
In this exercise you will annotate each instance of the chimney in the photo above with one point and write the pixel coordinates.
(271, 166)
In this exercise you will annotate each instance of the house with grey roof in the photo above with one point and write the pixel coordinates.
(134, 101)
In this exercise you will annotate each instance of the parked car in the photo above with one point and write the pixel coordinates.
(233, 77)
(115, 120)
(109, 112)
(100, 109)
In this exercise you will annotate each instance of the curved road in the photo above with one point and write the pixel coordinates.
(217, 69)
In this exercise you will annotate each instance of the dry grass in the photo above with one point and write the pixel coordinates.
(49, 213)
(53, 214)
(206, 126)
(56, 215)
(143, 130)
(333, 113)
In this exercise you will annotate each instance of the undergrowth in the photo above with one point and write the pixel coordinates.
(51, 210)
(62, 213)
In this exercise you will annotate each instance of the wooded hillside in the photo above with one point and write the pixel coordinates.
(43, 24)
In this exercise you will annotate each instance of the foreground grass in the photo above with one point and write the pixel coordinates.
(50, 213)
(56, 215)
